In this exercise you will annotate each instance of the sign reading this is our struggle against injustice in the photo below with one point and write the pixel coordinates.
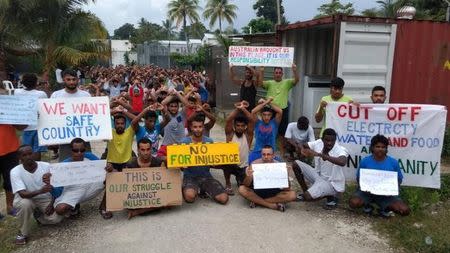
(62, 119)
(415, 134)
(261, 56)
(143, 188)
(188, 155)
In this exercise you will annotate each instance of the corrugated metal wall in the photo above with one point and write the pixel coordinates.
(422, 63)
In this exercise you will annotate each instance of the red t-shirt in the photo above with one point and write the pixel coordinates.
(137, 98)
(9, 141)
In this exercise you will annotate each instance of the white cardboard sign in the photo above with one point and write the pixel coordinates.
(76, 173)
(270, 175)
(379, 182)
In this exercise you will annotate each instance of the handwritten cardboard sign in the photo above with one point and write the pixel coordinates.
(76, 173)
(188, 155)
(270, 175)
(415, 133)
(379, 182)
(63, 119)
(18, 110)
(143, 188)
(261, 56)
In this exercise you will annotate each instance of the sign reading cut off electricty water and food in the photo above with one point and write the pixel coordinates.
(188, 155)
(63, 119)
(143, 188)
(261, 56)
(415, 134)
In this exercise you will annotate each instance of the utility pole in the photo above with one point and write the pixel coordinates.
(278, 12)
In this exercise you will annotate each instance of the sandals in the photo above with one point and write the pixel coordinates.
(229, 191)
(252, 204)
(105, 214)
(281, 207)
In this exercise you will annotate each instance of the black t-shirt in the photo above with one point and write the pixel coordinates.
(249, 94)
(133, 163)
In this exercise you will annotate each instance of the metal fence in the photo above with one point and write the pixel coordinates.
(153, 53)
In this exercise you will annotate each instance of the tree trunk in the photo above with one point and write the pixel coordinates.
(186, 34)
(3, 73)
(220, 25)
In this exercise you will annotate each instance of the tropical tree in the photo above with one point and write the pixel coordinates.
(425, 9)
(125, 32)
(258, 25)
(218, 10)
(268, 9)
(335, 7)
(147, 31)
(181, 11)
(196, 31)
(169, 29)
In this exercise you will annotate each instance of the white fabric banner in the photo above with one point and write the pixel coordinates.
(63, 119)
(415, 134)
(76, 173)
(18, 110)
(261, 56)
(270, 175)
(378, 182)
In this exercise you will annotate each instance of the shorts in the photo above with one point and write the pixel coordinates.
(284, 121)
(267, 193)
(382, 201)
(320, 187)
(76, 194)
(31, 138)
(119, 166)
(235, 170)
(7, 163)
(209, 185)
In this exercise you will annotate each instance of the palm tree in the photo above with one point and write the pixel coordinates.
(182, 10)
(168, 27)
(219, 10)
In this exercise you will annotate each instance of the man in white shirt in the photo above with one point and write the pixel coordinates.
(298, 133)
(30, 136)
(70, 90)
(327, 178)
(31, 193)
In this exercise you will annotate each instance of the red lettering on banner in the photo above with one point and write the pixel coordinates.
(85, 108)
(402, 112)
(354, 112)
(57, 108)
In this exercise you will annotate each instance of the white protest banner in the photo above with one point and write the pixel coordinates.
(270, 175)
(18, 110)
(378, 182)
(75, 173)
(261, 56)
(415, 134)
(63, 119)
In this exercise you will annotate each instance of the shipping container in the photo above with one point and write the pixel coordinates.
(366, 52)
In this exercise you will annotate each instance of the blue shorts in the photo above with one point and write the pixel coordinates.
(31, 138)
(382, 201)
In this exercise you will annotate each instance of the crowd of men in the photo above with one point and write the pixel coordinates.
(158, 107)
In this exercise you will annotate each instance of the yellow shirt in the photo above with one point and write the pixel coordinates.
(119, 148)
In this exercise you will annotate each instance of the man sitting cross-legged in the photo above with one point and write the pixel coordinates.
(270, 198)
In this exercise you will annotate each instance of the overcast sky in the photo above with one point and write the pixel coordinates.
(115, 13)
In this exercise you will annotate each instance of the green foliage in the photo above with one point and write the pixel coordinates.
(195, 61)
(446, 146)
(267, 9)
(258, 25)
(218, 10)
(181, 11)
(425, 9)
(335, 7)
(147, 31)
(196, 31)
(125, 32)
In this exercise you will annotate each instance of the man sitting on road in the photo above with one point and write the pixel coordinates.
(198, 178)
(298, 133)
(379, 160)
(32, 196)
(327, 178)
(271, 198)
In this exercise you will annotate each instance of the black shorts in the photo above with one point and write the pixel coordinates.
(7, 163)
(209, 185)
(235, 170)
(267, 193)
(284, 121)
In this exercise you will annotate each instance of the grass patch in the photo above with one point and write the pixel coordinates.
(8, 231)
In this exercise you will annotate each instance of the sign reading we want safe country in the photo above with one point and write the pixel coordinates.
(202, 154)
(415, 133)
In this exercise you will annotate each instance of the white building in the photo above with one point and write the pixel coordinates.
(118, 50)
(179, 46)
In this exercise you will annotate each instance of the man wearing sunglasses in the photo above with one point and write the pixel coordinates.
(68, 198)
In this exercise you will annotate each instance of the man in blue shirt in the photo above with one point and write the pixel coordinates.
(198, 178)
(379, 160)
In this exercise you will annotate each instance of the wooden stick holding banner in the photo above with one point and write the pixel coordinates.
(18, 110)
(202, 154)
(63, 119)
(143, 188)
(270, 175)
(76, 173)
(261, 56)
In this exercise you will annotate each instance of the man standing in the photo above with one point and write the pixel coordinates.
(278, 89)
(378, 95)
(239, 128)
(120, 146)
(248, 85)
(298, 133)
(70, 90)
(31, 193)
(327, 178)
(30, 136)
(271, 198)
(198, 178)
(336, 95)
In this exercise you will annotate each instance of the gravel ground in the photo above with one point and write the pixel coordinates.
(209, 227)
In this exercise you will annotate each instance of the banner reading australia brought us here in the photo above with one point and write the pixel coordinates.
(415, 134)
